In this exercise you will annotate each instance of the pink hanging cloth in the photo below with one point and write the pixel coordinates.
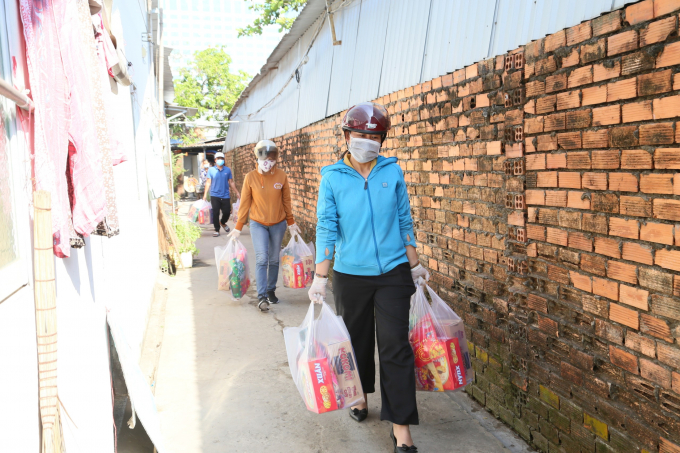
(50, 93)
(89, 200)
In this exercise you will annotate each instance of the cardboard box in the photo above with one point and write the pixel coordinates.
(344, 365)
(317, 382)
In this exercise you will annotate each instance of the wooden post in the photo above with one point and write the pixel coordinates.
(330, 20)
(46, 322)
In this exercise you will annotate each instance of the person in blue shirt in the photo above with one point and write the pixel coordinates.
(217, 185)
(364, 218)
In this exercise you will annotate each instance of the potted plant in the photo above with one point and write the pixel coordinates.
(187, 234)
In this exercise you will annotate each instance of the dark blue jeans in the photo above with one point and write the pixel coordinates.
(267, 242)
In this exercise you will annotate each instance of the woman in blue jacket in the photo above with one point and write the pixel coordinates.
(364, 217)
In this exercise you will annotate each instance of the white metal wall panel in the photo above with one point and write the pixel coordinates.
(425, 39)
(315, 78)
(346, 26)
(520, 21)
(404, 45)
(368, 55)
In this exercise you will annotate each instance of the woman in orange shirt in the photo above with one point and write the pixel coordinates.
(265, 198)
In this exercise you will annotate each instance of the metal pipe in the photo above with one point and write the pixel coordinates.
(20, 99)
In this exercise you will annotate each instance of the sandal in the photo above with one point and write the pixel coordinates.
(216, 234)
(358, 414)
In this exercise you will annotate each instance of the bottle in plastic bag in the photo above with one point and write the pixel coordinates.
(322, 362)
(234, 211)
(232, 268)
(297, 263)
(200, 212)
(439, 363)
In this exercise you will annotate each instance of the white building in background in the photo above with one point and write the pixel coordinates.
(191, 25)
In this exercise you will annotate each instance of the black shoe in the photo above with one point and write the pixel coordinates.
(263, 304)
(358, 414)
(272, 297)
(403, 447)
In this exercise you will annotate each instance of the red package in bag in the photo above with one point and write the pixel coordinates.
(439, 364)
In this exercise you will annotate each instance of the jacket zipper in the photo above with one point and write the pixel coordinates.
(375, 241)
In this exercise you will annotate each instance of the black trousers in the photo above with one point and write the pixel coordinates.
(380, 305)
(220, 204)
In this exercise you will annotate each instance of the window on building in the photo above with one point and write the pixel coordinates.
(206, 5)
(217, 5)
(172, 4)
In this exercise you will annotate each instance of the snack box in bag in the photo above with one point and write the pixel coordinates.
(343, 364)
(317, 381)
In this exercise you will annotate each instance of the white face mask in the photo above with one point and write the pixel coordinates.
(364, 149)
(265, 165)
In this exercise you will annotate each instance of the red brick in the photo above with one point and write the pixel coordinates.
(657, 31)
(623, 89)
(640, 12)
(556, 236)
(546, 104)
(623, 228)
(536, 232)
(605, 160)
(579, 33)
(637, 252)
(580, 281)
(670, 355)
(670, 55)
(555, 83)
(556, 160)
(594, 181)
(665, 445)
(535, 197)
(535, 162)
(667, 158)
(636, 159)
(596, 139)
(607, 246)
(593, 51)
(668, 259)
(533, 125)
(569, 140)
(676, 389)
(554, 122)
(569, 100)
(668, 107)
(570, 180)
(554, 41)
(622, 182)
(641, 344)
(654, 83)
(607, 23)
(580, 76)
(578, 160)
(606, 71)
(605, 288)
(633, 296)
(657, 134)
(662, 7)
(535, 88)
(635, 206)
(655, 373)
(624, 136)
(637, 111)
(604, 116)
(656, 183)
(622, 42)
(666, 209)
(657, 232)
(623, 359)
(577, 200)
(594, 95)
(572, 59)
(546, 179)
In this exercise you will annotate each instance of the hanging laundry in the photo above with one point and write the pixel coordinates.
(107, 59)
(109, 226)
(49, 90)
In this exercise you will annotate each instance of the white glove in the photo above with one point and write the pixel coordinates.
(317, 292)
(418, 272)
(234, 234)
(294, 229)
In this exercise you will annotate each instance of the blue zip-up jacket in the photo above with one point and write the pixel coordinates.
(366, 222)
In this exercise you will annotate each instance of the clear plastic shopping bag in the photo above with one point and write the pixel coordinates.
(439, 364)
(297, 263)
(452, 327)
(232, 268)
(200, 212)
(322, 362)
(234, 210)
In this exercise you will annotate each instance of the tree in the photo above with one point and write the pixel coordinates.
(272, 12)
(208, 85)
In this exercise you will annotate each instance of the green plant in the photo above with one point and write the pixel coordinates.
(177, 169)
(272, 12)
(187, 234)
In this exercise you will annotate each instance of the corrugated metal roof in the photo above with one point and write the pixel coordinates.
(387, 45)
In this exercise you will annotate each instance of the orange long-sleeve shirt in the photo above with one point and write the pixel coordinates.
(265, 199)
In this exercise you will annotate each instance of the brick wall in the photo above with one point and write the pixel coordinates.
(544, 193)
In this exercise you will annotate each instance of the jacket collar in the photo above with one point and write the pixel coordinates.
(341, 166)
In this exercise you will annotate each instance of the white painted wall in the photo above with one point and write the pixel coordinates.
(107, 274)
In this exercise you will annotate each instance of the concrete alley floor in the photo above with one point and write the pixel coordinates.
(223, 382)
